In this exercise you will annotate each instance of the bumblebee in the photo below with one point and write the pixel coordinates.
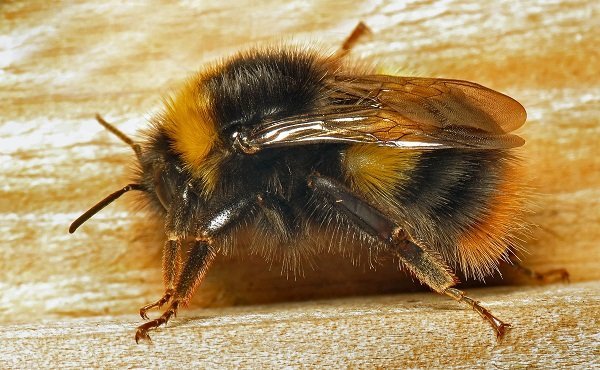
(306, 153)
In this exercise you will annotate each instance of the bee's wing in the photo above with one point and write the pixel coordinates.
(405, 112)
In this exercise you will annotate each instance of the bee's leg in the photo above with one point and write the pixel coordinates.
(359, 31)
(199, 259)
(201, 254)
(170, 267)
(499, 326)
(545, 277)
(423, 263)
(431, 269)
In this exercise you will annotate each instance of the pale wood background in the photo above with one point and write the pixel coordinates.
(61, 62)
(401, 331)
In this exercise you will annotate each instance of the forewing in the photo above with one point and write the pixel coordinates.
(400, 112)
(439, 102)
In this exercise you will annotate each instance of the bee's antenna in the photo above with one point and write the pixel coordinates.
(136, 147)
(358, 32)
(101, 204)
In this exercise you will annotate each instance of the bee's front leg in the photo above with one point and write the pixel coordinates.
(170, 267)
(199, 259)
(182, 283)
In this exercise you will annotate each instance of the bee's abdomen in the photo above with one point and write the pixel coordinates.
(452, 184)
(465, 204)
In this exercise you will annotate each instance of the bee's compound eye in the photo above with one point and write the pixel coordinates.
(163, 188)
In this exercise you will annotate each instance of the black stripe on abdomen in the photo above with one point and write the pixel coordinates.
(449, 190)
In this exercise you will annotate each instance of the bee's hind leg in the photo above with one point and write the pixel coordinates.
(544, 277)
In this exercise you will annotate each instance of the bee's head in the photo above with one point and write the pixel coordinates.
(154, 178)
(161, 172)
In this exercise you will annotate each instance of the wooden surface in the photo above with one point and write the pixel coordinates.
(62, 62)
(555, 327)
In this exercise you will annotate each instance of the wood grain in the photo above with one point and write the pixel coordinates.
(61, 62)
(553, 327)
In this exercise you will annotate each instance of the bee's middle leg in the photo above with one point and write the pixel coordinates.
(424, 263)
